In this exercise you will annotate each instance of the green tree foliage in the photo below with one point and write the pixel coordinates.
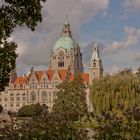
(116, 105)
(1, 108)
(7, 62)
(63, 123)
(48, 126)
(14, 13)
(31, 110)
(116, 93)
(110, 126)
(71, 101)
(138, 73)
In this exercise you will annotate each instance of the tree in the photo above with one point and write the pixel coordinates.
(31, 110)
(116, 103)
(13, 13)
(69, 108)
(63, 123)
(115, 93)
(126, 71)
(1, 108)
(138, 73)
(71, 99)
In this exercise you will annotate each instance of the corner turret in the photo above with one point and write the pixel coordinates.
(95, 67)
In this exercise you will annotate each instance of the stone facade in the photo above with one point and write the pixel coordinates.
(41, 86)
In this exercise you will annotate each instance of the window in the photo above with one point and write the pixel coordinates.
(44, 80)
(24, 97)
(5, 99)
(11, 105)
(61, 64)
(17, 105)
(67, 56)
(18, 97)
(11, 97)
(33, 96)
(44, 96)
(94, 63)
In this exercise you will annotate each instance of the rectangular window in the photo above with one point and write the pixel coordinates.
(18, 98)
(11, 98)
(24, 98)
(11, 105)
(17, 105)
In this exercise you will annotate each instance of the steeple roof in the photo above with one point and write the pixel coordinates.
(95, 54)
(66, 21)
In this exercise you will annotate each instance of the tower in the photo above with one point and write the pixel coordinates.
(95, 67)
(66, 52)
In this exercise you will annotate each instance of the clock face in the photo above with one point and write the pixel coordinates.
(61, 54)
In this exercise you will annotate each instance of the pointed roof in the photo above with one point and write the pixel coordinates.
(95, 54)
(66, 20)
(62, 73)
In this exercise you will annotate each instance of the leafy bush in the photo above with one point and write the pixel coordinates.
(30, 110)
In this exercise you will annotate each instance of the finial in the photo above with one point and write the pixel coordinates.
(32, 69)
(66, 20)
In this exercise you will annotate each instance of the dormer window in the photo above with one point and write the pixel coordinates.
(44, 80)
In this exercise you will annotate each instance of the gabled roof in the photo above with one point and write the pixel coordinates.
(62, 73)
(38, 75)
(85, 77)
(20, 80)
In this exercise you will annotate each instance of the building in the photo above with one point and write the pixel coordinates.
(41, 86)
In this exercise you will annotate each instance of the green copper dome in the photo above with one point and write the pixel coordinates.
(64, 42)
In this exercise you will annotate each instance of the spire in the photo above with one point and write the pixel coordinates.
(95, 54)
(66, 20)
(66, 31)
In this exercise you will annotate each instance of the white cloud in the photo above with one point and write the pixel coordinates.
(131, 5)
(133, 37)
(34, 47)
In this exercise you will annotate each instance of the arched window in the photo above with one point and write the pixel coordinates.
(24, 97)
(44, 96)
(18, 97)
(33, 96)
(11, 97)
(94, 63)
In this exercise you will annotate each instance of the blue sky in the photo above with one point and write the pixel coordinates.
(113, 23)
(106, 28)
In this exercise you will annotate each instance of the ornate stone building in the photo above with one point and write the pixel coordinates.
(41, 86)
